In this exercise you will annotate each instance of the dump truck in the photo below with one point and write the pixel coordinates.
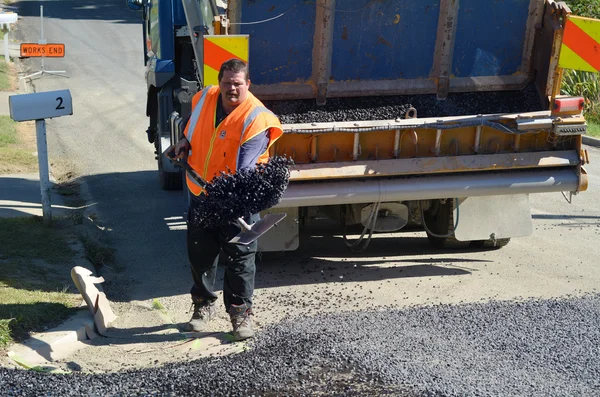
(440, 115)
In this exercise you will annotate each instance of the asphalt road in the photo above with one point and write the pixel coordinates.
(106, 144)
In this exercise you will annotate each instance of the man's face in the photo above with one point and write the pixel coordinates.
(234, 88)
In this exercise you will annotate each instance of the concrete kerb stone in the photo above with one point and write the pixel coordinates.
(591, 141)
(54, 344)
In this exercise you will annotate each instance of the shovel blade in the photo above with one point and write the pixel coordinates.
(257, 229)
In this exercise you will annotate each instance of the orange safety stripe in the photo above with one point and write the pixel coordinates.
(582, 44)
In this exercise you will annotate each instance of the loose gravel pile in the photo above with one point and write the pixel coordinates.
(542, 348)
(248, 191)
(392, 107)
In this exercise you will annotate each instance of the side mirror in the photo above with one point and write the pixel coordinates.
(135, 5)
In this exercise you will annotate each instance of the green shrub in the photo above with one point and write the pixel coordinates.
(587, 85)
(585, 8)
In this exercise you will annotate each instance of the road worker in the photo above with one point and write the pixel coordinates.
(229, 129)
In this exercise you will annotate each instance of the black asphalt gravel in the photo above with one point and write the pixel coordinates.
(392, 107)
(230, 196)
(529, 348)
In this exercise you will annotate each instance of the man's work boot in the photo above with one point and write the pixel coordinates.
(241, 321)
(203, 313)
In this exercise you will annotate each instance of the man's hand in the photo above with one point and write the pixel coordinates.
(179, 150)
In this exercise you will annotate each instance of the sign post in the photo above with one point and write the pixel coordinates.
(43, 49)
(39, 107)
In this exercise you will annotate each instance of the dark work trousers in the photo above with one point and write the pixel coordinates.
(204, 247)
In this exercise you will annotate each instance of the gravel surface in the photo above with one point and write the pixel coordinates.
(534, 347)
(392, 107)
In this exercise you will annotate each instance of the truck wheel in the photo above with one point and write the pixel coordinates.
(439, 219)
(489, 244)
(168, 180)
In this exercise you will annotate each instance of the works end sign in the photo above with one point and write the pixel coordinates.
(29, 50)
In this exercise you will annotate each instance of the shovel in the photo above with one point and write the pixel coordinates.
(249, 233)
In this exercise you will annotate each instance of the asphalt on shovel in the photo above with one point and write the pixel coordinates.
(249, 233)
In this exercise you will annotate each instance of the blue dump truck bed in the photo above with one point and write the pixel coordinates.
(299, 49)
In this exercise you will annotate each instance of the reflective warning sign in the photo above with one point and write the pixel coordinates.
(29, 50)
(218, 49)
(580, 48)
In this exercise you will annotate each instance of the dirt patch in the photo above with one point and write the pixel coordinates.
(26, 133)
(14, 82)
(8, 73)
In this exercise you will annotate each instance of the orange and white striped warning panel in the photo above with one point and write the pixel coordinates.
(580, 48)
(221, 48)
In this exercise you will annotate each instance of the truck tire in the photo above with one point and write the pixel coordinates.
(489, 244)
(169, 180)
(439, 219)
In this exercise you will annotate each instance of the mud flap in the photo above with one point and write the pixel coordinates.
(251, 233)
(167, 166)
(493, 217)
(286, 236)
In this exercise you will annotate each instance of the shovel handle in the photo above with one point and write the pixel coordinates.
(184, 164)
(243, 224)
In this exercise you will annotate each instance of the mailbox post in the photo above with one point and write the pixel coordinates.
(39, 107)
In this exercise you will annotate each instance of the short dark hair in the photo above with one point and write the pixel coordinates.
(234, 65)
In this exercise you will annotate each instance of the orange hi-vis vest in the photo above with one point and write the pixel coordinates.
(216, 150)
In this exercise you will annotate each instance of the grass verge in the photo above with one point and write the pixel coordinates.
(593, 129)
(17, 147)
(6, 76)
(17, 140)
(36, 291)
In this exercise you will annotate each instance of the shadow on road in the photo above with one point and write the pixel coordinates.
(275, 274)
(146, 226)
(110, 10)
(25, 318)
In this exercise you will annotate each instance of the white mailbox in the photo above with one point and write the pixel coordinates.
(40, 105)
(8, 18)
